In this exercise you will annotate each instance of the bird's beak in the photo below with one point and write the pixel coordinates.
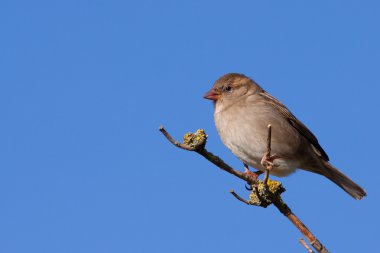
(212, 95)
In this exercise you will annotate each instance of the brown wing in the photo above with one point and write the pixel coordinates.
(301, 128)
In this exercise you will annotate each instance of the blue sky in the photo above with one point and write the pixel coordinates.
(86, 84)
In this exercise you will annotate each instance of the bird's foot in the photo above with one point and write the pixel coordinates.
(252, 175)
(268, 161)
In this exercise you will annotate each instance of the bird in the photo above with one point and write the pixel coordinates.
(242, 112)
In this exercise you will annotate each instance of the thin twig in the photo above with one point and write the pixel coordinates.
(222, 165)
(269, 149)
(176, 143)
(278, 202)
(269, 141)
(209, 156)
(302, 241)
(238, 197)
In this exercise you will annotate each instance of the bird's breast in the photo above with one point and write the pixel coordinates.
(246, 136)
(241, 136)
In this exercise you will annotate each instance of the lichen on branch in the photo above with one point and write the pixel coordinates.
(195, 140)
(263, 194)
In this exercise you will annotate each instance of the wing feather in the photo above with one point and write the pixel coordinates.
(298, 125)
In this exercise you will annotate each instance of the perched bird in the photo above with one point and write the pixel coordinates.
(242, 113)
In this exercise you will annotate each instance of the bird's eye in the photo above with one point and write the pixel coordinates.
(228, 88)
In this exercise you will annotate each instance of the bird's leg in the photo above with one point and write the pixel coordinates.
(252, 175)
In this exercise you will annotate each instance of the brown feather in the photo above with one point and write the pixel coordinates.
(298, 125)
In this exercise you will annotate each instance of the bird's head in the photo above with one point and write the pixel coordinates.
(230, 88)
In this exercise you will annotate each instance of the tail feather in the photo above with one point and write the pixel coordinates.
(343, 181)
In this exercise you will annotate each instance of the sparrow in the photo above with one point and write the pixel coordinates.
(242, 112)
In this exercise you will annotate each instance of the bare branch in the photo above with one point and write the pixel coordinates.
(269, 140)
(222, 165)
(238, 197)
(209, 156)
(302, 241)
(269, 149)
(176, 143)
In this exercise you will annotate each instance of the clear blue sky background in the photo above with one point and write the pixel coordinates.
(84, 86)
